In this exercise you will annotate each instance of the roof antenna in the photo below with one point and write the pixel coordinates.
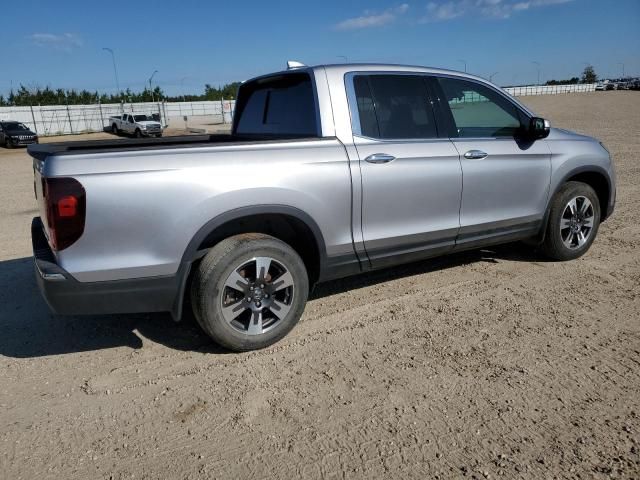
(291, 64)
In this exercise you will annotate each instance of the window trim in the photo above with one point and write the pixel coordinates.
(442, 113)
(352, 103)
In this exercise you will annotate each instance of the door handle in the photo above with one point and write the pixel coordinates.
(475, 154)
(379, 158)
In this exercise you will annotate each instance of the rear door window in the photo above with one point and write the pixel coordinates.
(282, 105)
(394, 107)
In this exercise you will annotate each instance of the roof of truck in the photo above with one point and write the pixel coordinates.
(372, 67)
(386, 67)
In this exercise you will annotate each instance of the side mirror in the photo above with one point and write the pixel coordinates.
(539, 128)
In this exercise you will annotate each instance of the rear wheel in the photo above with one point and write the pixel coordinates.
(249, 291)
(574, 219)
(114, 129)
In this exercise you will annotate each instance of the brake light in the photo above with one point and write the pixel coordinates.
(68, 206)
(66, 209)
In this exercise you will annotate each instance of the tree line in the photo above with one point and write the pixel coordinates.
(588, 76)
(24, 97)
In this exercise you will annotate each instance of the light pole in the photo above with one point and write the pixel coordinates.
(620, 63)
(150, 86)
(538, 64)
(182, 88)
(346, 60)
(492, 75)
(465, 65)
(115, 70)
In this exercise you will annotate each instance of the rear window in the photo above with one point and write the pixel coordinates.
(283, 105)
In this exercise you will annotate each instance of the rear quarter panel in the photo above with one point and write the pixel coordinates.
(143, 208)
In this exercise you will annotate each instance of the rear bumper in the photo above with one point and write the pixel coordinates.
(67, 296)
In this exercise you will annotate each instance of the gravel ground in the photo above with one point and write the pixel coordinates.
(484, 364)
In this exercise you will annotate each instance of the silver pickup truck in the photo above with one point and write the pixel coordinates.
(329, 171)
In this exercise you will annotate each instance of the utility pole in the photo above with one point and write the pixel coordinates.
(465, 65)
(182, 88)
(492, 75)
(538, 65)
(621, 63)
(115, 70)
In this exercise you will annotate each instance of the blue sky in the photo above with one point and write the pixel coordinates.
(191, 43)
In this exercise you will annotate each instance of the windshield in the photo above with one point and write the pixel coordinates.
(14, 126)
(142, 118)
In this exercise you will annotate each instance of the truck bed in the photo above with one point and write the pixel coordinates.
(43, 150)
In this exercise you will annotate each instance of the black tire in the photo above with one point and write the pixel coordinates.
(235, 255)
(138, 133)
(556, 238)
(159, 135)
(8, 143)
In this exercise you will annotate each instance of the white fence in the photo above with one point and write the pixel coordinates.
(70, 119)
(550, 89)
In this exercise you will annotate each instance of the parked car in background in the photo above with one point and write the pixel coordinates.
(14, 134)
(329, 171)
(137, 125)
(606, 85)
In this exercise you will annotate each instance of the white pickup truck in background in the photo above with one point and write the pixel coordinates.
(136, 125)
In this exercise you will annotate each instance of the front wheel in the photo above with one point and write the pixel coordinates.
(249, 291)
(574, 218)
(138, 133)
(8, 143)
(114, 129)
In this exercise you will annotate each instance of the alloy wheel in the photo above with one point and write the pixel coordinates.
(257, 295)
(576, 223)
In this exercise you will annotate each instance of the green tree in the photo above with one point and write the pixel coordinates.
(24, 96)
(228, 92)
(589, 75)
(569, 81)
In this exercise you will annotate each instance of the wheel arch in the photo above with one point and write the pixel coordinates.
(599, 181)
(594, 176)
(289, 224)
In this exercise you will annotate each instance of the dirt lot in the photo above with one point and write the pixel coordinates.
(486, 364)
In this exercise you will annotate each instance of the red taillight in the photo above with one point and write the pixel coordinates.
(66, 206)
